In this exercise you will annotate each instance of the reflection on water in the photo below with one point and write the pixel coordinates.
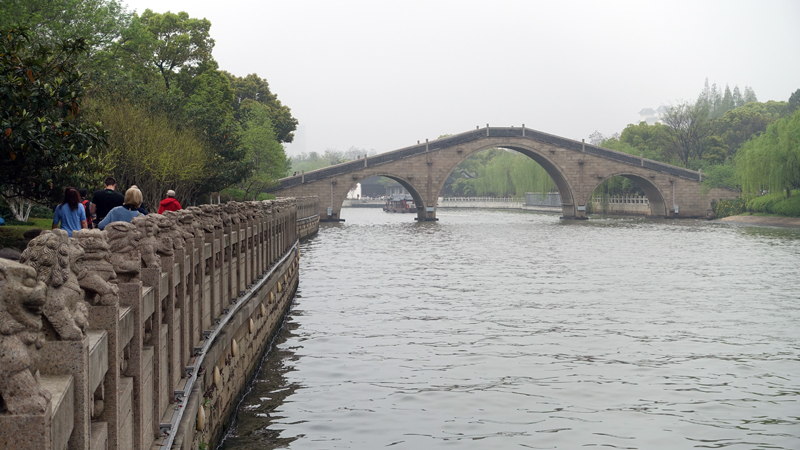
(503, 329)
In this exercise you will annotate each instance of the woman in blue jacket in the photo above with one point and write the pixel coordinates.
(126, 212)
(70, 213)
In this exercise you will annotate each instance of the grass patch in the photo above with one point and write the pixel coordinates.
(11, 235)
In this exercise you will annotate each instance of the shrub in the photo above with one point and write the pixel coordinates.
(764, 203)
(725, 208)
(788, 206)
(41, 212)
(768, 203)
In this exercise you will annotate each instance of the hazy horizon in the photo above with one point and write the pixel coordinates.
(382, 75)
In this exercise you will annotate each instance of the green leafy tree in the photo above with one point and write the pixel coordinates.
(771, 162)
(167, 43)
(264, 154)
(749, 95)
(97, 22)
(738, 125)
(333, 156)
(721, 176)
(794, 102)
(306, 162)
(738, 99)
(44, 144)
(254, 88)
(208, 110)
(687, 127)
(714, 149)
(148, 150)
(498, 172)
(650, 141)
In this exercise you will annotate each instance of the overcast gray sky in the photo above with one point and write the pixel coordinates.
(383, 74)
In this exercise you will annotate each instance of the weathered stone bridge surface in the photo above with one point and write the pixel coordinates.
(143, 335)
(577, 169)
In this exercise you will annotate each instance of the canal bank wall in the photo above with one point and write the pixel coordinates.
(144, 335)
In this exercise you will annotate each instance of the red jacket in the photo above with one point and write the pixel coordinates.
(168, 204)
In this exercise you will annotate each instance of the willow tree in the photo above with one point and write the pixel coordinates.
(771, 162)
(512, 173)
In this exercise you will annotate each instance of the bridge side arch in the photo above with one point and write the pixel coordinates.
(564, 189)
(408, 185)
(655, 196)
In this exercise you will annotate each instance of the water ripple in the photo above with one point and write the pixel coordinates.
(502, 329)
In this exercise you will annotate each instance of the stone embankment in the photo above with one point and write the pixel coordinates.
(144, 335)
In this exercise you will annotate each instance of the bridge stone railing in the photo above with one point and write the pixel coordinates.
(634, 204)
(484, 133)
(144, 334)
(445, 200)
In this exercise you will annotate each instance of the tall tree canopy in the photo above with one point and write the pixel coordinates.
(44, 144)
(97, 22)
(168, 42)
(252, 88)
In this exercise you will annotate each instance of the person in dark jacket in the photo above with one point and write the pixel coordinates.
(105, 200)
(170, 203)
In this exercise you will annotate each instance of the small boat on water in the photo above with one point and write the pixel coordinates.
(400, 203)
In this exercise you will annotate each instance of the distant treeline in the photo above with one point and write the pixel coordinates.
(737, 141)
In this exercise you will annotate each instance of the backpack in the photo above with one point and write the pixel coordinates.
(86, 209)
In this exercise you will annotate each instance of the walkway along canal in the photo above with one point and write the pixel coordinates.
(143, 335)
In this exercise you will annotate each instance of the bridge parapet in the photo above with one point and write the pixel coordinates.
(484, 133)
(143, 336)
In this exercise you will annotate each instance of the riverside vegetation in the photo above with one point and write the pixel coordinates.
(90, 89)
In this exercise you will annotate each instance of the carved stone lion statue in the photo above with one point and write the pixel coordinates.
(232, 209)
(168, 224)
(94, 271)
(202, 221)
(210, 218)
(22, 298)
(148, 230)
(166, 246)
(49, 254)
(124, 243)
(185, 223)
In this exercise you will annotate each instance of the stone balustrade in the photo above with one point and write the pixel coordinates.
(444, 201)
(633, 204)
(143, 335)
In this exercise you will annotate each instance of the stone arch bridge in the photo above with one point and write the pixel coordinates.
(576, 167)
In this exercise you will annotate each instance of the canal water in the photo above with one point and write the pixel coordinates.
(500, 329)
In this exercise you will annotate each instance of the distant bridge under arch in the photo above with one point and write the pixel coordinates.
(577, 169)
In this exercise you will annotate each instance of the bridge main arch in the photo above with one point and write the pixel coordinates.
(552, 169)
